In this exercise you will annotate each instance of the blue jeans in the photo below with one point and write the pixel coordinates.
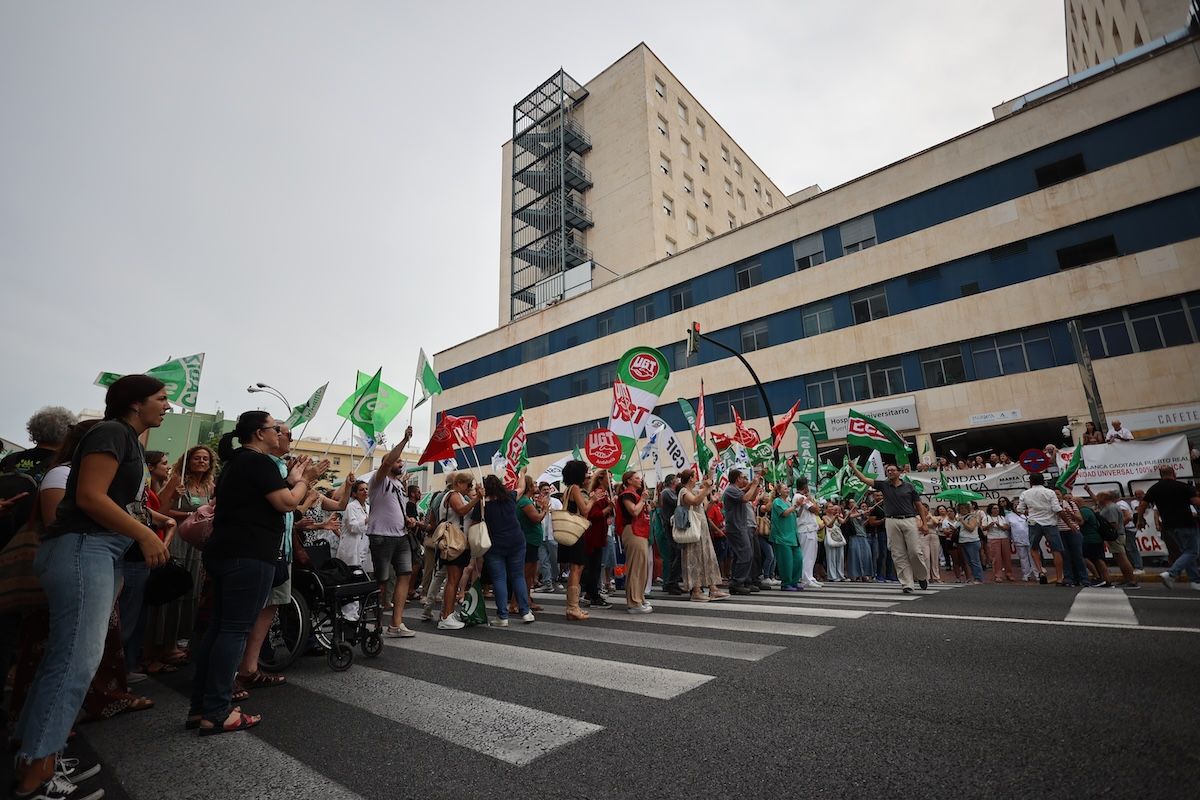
(80, 574)
(548, 569)
(861, 557)
(885, 569)
(508, 569)
(1073, 562)
(131, 611)
(971, 554)
(768, 557)
(1131, 548)
(1189, 542)
(240, 587)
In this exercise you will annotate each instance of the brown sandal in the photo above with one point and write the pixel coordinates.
(261, 680)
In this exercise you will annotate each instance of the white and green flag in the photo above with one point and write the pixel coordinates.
(308, 409)
(388, 403)
(641, 377)
(181, 376)
(427, 379)
(512, 448)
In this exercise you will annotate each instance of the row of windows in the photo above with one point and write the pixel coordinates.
(1139, 328)
(1145, 227)
(1144, 131)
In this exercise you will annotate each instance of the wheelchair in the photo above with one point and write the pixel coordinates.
(315, 617)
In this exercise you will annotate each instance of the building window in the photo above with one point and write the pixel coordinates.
(1012, 353)
(536, 348)
(858, 234)
(749, 275)
(741, 200)
(577, 434)
(1079, 255)
(692, 225)
(725, 154)
(580, 384)
(809, 251)
(671, 247)
(852, 383)
(663, 127)
(770, 202)
(757, 188)
(605, 377)
(643, 312)
(821, 389)
(737, 167)
(668, 206)
(676, 355)
(709, 233)
(748, 403)
(728, 187)
(1107, 334)
(701, 131)
(685, 147)
(1059, 171)
(817, 319)
(660, 88)
(706, 200)
(869, 304)
(682, 110)
(754, 336)
(337, 461)
(703, 164)
(1159, 324)
(664, 164)
(681, 298)
(605, 324)
(886, 376)
(942, 366)
(732, 222)
(535, 395)
(689, 186)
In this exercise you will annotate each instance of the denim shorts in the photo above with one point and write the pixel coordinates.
(391, 556)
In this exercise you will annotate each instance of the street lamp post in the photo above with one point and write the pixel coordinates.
(694, 336)
(271, 390)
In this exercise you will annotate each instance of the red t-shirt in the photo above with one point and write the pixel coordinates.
(640, 523)
(718, 518)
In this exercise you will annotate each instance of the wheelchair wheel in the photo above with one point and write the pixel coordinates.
(372, 644)
(340, 657)
(322, 628)
(287, 637)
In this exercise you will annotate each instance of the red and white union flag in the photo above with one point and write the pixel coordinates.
(860, 427)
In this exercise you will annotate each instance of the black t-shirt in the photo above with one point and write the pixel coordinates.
(33, 464)
(118, 439)
(245, 524)
(1173, 498)
(898, 501)
(670, 501)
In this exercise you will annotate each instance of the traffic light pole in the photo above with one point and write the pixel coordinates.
(763, 392)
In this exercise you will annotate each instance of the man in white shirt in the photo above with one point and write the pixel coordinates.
(1116, 433)
(1042, 508)
(806, 530)
(548, 552)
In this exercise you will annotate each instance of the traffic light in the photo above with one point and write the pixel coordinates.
(693, 340)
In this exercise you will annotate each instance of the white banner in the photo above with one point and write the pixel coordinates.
(1122, 462)
(899, 415)
(677, 457)
(553, 473)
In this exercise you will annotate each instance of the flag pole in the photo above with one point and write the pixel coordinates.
(305, 428)
(339, 432)
(187, 441)
(413, 408)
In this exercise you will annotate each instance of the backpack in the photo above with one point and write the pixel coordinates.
(20, 476)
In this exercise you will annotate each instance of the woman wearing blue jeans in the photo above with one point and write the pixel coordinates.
(79, 564)
(968, 540)
(240, 557)
(506, 558)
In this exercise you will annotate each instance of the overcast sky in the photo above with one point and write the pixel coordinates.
(302, 189)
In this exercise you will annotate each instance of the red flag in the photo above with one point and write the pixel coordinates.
(441, 444)
(623, 408)
(722, 441)
(465, 430)
(746, 436)
(781, 427)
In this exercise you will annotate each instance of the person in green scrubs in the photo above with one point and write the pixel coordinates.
(789, 558)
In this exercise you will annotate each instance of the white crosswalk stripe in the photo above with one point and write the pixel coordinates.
(726, 606)
(656, 682)
(493, 727)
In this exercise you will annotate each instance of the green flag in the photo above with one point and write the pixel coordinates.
(806, 450)
(360, 406)
(512, 447)
(762, 453)
(387, 406)
(919, 485)
(472, 610)
(181, 376)
(943, 483)
(578, 456)
(642, 374)
(423, 505)
(308, 409)
(427, 379)
(704, 453)
(1067, 479)
(870, 432)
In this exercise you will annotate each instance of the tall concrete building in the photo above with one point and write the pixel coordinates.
(1098, 30)
(605, 177)
(937, 293)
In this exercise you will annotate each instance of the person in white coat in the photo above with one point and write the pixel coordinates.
(353, 545)
(806, 530)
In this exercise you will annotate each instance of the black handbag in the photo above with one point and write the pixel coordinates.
(169, 582)
(282, 571)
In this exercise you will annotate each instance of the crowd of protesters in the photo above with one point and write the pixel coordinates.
(88, 536)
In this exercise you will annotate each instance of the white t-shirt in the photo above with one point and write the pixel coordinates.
(547, 522)
(1040, 505)
(56, 478)
(1019, 528)
(806, 520)
(1125, 507)
(994, 532)
(1123, 435)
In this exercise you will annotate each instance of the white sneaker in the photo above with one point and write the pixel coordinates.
(427, 615)
(815, 584)
(400, 631)
(499, 622)
(642, 609)
(1167, 581)
(528, 617)
(451, 623)
(1139, 572)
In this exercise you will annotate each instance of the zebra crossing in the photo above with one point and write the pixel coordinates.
(497, 695)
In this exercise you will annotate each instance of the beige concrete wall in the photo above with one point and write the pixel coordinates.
(1098, 30)
(1174, 72)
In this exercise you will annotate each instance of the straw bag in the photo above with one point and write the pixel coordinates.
(477, 536)
(568, 527)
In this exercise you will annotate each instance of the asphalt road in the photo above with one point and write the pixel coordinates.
(852, 691)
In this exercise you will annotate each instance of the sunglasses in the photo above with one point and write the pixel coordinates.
(276, 428)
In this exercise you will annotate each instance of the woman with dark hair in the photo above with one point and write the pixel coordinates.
(352, 539)
(505, 559)
(577, 501)
(596, 539)
(633, 523)
(242, 557)
(79, 567)
(532, 509)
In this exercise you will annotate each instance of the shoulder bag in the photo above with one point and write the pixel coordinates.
(198, 527)
(834, 537)
(477, 535)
